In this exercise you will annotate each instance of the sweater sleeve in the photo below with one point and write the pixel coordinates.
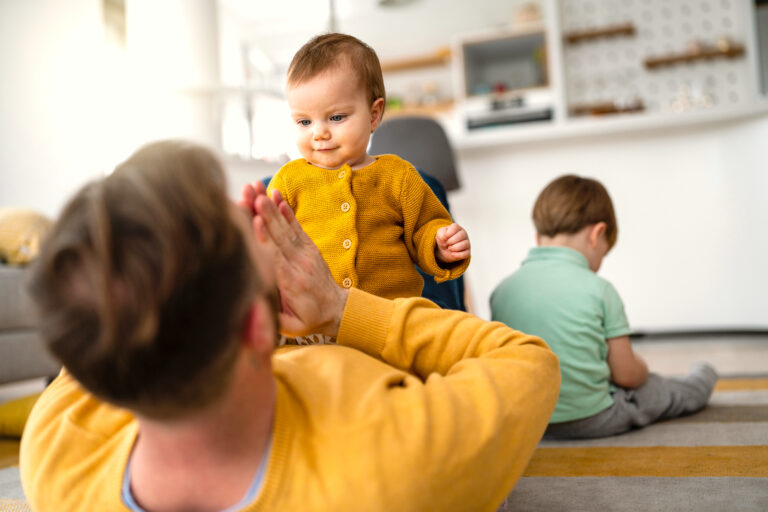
(423, 215)
(474, 403)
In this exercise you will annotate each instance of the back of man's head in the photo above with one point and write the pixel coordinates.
(144, 283)
(569, 203)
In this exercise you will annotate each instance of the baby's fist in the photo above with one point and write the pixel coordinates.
(452, 244)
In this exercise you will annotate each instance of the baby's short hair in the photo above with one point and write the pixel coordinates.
(326, 51)
(569, 203)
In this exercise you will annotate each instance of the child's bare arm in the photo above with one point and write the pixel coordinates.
(452, 244)
(628, 370)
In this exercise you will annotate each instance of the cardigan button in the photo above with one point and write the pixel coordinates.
(347, 243)
(342, 174)
(346, 283)
(345, 207)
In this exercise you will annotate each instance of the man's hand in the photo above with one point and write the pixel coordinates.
(311, 302)
(452, 244)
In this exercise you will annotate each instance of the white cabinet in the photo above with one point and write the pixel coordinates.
(607, 65)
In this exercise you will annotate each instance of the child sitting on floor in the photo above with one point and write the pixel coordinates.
(557, 295)
(372, 217)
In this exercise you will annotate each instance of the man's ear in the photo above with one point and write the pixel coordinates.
(595, 232)
(377, 111)
(259, 330)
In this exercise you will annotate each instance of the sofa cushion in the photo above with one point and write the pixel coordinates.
(15, 305)
(21, 232)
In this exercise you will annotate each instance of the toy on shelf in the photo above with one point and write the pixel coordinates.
(697, 50)
(607, 107)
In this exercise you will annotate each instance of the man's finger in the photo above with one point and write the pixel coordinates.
(282, 226)
(247, 195)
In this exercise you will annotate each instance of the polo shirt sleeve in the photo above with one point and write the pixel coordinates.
(614, 319)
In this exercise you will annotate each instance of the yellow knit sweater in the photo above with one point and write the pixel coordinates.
(371, 224)
(429, 409)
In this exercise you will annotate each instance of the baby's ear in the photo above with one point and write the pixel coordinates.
(377, 111)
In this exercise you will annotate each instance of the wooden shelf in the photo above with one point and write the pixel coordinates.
(732, 51)
(626, 29)
(420, 110)
(440, 57)
(606, 108)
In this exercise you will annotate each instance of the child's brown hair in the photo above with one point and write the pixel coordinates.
(326, 51)
(569, 203)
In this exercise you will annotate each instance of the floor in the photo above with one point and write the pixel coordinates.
(732, 356)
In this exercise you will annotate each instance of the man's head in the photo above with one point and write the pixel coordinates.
(335, 92)
(570, 203)
(145, 284)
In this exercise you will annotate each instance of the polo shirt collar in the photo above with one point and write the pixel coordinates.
(557, 253)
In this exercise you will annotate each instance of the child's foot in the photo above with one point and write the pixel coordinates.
(703, 377)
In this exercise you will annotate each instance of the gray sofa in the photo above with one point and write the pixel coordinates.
(22, 354)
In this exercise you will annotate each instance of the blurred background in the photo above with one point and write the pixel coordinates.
(664, 102)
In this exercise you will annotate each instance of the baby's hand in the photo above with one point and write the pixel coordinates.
(452, 244)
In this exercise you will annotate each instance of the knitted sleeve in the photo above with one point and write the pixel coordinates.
(468, 414)
(423, 215)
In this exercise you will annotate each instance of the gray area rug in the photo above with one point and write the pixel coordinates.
(606, 494)
(10, 484)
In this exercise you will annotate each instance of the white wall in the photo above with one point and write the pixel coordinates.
(691, 211)
(690, 203)
(49, 133)
(71, 107)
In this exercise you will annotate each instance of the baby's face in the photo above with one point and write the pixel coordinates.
(333, 119)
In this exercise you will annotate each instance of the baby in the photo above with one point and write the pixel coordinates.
(372, 217)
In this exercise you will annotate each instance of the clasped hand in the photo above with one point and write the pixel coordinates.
(310, 300)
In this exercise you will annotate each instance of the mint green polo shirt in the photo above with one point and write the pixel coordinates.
(554, 295)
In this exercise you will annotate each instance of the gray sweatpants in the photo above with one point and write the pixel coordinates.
(659, 398)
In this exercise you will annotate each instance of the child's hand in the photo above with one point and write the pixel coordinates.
(452, 244)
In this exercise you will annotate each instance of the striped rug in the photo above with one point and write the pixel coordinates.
(715, 460)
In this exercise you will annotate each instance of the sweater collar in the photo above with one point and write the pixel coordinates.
(557, 253)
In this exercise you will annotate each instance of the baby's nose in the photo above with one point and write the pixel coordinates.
(320, 131)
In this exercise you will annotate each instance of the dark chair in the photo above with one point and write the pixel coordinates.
(423, 142)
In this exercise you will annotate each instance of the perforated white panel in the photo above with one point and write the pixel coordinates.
(612, 68)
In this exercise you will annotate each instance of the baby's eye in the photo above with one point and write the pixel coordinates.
(338, 117)
(304, 122)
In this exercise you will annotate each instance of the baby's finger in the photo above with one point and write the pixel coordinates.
(462, 245)
(452, 230)
(458, 237)
(460, 255)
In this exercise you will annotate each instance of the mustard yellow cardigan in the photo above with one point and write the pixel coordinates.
(423, 409)
(371, 224)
